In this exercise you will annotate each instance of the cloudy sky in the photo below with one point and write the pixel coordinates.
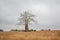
(47, 13)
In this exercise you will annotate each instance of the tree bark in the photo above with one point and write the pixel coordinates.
(26, 25)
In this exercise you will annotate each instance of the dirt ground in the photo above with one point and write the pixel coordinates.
(38, 35)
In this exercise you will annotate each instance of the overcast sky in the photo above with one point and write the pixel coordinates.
(47, 13)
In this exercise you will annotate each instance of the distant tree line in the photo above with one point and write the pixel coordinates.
(30, 30)
(22, 30)
(46, 30)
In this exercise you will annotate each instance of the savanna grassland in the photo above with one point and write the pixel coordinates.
(38, 35)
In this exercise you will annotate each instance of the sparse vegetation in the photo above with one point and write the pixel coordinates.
(23, 30)
(38, 35)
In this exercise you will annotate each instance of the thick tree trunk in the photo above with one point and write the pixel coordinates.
(26, 27)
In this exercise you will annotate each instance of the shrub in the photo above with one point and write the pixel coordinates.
(1, 30)
(49, 29)
(42, 29)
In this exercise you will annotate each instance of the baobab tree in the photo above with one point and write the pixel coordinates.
(25, 18)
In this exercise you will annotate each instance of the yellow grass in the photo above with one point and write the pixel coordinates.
(39, 35)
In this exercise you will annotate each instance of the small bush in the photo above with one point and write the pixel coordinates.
(49, 29)
(1, 30)
(14, 30)
(42, 29)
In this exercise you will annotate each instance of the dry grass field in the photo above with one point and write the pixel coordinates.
(39, 35)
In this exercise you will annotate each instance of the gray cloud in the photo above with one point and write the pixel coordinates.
(49, 16)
